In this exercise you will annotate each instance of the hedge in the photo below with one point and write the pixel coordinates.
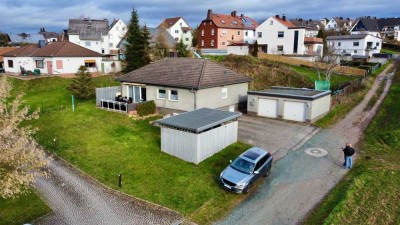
(146, 108)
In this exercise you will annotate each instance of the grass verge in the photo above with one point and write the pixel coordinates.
(384, 50)
(369, 193)
(104, 144)
(22, 210)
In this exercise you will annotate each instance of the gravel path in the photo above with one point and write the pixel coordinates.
(299, 181)
(77, 199)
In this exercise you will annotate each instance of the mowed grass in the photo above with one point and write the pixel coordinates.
(22, 210)
(105, 144)
(369, 193)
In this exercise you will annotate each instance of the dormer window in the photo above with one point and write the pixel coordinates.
(235, 22)
(223, 21)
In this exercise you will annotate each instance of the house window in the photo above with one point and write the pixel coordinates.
(223, 21)
(259, 34)
(117, 28)
(111, 45)
(338, 44)
(111, 36)
(223, 43)
(210, 22)
(239, 32)
(202, 42)
(377, 43)
(173, 95)
(87, 43)
(271, 22)
(135, 93)
(59, 64)
(202, 32)
(185, 32)
(10, 63)
(90, 64)
(246, 33)
(280, 48)
(102, 50)
(224, 92)
(186, 39)
(161, 94)
(123, 28)
(212, 42)
(212, 31)
(176, 31)
(232, 37)
(355, 51)
(281, 34)
(356, 43)
(39, 64)
(176, 39)
(180, 24)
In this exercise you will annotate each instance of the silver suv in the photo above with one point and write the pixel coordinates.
(240, 175)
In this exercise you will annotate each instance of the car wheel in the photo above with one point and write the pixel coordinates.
(268, 171)
(247, 188)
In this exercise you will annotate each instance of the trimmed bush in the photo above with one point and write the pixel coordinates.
(146, 108)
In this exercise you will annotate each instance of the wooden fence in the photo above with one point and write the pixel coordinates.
(346, 70)
(355, 86)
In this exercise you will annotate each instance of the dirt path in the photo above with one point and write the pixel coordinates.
(299, 181)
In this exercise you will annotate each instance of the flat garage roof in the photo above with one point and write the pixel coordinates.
(295, 93)
(199, 120)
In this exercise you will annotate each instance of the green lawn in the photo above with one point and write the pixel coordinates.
(21, 210)
(383, 50)
(369, 193)
(105, 144)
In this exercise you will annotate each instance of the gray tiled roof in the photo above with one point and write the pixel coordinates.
(309, 25)
(370, 23)
(88, 29)
(199, 120)
(25, 38)
(155, 31)
(343, 37)
(187, 73)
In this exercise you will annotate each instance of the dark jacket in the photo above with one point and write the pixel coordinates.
(348, 151)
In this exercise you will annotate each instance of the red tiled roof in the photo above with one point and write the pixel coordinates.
(285, 22)
(4, 50)
(169, 22)
(228, 21)
(65, 49)
(24, 51)
(311, 40)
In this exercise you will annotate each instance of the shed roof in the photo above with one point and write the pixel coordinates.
(295, 93)
(188, 73)
(199, 120)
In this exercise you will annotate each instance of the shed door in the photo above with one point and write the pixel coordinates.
(294, 111)
(267, 107)
(49, 67)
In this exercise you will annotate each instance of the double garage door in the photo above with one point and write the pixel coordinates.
(291, 110)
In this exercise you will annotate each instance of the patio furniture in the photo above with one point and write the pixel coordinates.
(1, 70)
(36, 72)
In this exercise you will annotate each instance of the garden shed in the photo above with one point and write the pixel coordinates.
(194, 136)
(296, 104)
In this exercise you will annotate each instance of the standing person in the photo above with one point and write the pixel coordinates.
(345, 149)
(348, 155)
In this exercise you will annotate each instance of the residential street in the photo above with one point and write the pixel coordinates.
(299, 181)
(76, 200)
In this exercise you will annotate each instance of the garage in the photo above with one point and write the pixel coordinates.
(194, 136)
(294, 111)
(267, 107)
(294, 104)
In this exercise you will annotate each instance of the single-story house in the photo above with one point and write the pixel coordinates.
(194, 136)
(186, 84)
(296, 104)
(57, 58)
(4, 50)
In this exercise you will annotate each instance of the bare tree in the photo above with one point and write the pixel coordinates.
(327, 62)
(21, 158)
(161, 48)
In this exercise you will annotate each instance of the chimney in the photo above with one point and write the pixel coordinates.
(209, 14)
(242, 15)
(277, 16)
(42, 43)
(233, 14)
(283, 17)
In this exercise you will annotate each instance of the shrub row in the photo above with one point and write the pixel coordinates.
(146, 108)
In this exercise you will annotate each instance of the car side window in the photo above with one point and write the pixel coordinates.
(261, 162)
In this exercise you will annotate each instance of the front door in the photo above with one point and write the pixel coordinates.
(49, 67)
(102, 67)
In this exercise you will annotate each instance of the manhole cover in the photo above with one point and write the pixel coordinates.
(317, 152)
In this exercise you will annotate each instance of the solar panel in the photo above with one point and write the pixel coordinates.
(251, 155)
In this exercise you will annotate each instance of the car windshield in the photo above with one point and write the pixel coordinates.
(243, 166)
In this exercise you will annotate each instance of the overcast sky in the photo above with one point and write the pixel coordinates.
(29, 15)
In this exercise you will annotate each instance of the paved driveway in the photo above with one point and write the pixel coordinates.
(77, 199)
(276, 136)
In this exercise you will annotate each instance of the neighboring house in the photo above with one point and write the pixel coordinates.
(186, 84)
(179, 29)
(366, 25)
(218, 31)
(312, 26)
(382, 27)
(24, 38)
(116, 33)
(355, 44)
(279, 36)
(4, 50)
(297, 104)
(90, 33)
(49, 36)
(339, 24)
(57, 58)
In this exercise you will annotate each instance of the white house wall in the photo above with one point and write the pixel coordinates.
(212, 97)
(116, 33)
(238, 50)
(97, 45)
(250, 37)
(185, 98)
(270, 37)
(187, 38)
(320, 107)
(346, 46)
(26, 62)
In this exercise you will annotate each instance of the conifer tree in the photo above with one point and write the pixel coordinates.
(181, 48)
(82, 86)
